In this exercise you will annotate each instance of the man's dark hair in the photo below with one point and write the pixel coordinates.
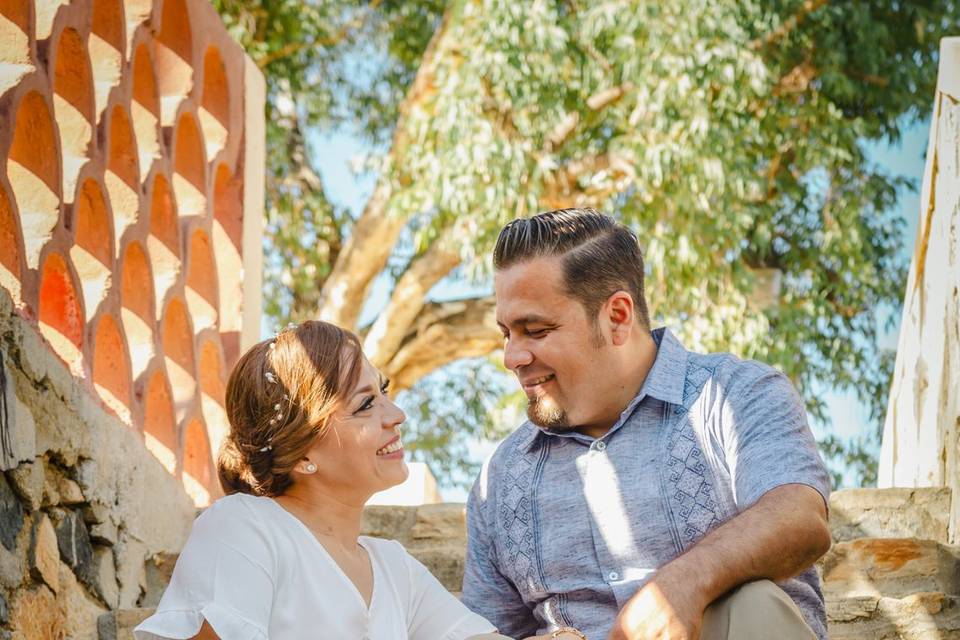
(600, 256)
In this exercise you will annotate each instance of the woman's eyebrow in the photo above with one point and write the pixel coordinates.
(364, 389)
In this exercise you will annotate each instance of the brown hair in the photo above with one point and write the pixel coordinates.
(279, 398)
(600, 256)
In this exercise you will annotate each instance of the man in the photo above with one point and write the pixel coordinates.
(654, 492)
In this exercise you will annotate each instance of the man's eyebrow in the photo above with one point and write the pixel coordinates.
(528, 319)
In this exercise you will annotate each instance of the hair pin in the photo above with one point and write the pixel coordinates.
(272, 379)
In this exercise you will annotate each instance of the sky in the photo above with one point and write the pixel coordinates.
(337, 153)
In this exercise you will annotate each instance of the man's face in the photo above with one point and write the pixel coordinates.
(553, 348)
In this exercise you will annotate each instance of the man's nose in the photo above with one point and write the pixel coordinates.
(515, 355)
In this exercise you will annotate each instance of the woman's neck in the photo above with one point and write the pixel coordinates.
(328, 516)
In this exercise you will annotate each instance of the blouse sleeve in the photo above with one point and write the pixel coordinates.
(433, 613)
(222, 576)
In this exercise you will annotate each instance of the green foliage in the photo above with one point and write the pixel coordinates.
(728, 133)
(857, 459)
(450, 412)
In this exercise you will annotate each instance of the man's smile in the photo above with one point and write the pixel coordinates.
(531, 384)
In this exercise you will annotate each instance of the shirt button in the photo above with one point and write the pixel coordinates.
(598, 445)
(614, 575)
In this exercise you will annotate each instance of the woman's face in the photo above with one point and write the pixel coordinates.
(361, 452)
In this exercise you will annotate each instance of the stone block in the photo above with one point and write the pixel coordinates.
(107, 587)
(11, 515)
(158, 571)
(4, 610)
(13, 563)
(921, 616)
(44, 554)
(80, 611)
(394, 523)
(890, 513)
(443, 524)
(22, 429)
(104, 533)
(35, 615)
(75, 547)
(446, 563)
(119, 625)
(28, 480)
(130, 554)
(58, 489)
(103, 529)
(891, 567)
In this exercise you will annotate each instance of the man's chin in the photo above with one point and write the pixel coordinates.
(548, 417)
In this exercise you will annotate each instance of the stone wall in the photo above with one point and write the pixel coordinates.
(131, 190)
(921, 439)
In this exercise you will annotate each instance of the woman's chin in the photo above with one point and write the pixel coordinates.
(395, 474)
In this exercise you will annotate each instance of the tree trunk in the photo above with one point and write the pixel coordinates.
(377, 229)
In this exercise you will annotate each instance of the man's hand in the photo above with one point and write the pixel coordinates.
(663, 609)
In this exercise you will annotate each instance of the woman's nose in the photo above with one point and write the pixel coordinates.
(393, 416)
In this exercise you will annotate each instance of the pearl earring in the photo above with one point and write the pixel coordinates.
(311, 468)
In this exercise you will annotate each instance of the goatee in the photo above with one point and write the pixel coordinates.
(548, 416)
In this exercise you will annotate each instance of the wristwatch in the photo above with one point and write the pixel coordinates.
(576, 632)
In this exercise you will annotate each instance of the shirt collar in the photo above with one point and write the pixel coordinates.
(667, 376)
(664, 381)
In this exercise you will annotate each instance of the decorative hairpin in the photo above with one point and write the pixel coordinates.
(267, 448)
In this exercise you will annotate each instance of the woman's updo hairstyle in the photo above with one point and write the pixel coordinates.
(279, 398)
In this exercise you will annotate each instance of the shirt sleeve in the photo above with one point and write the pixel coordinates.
(768, 442)
(221, 576)
(433, 613)
(485, 589)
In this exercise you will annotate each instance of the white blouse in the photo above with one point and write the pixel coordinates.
(254, 571)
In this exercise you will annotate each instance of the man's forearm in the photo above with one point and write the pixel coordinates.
(778, 537)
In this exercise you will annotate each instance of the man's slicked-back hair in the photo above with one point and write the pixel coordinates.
(599, 255)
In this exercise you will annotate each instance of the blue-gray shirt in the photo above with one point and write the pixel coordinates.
(564, 529)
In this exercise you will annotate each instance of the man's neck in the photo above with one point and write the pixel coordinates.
(636, 366)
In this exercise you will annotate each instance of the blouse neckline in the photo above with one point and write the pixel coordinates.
(336, 567)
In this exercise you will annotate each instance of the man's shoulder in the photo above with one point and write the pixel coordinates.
(732, 381)
(728, 370)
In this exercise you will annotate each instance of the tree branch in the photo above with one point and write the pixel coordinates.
(444, 332)
(562, 187)
(597, 102)
(293, 47)
(407, 300)
(788, 25)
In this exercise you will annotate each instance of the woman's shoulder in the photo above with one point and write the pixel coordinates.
(237, 516)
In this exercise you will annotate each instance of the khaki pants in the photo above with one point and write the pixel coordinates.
(754, 611)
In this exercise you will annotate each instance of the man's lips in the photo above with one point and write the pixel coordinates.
(532, 382)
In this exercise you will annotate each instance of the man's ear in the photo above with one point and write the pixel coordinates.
(619, 313)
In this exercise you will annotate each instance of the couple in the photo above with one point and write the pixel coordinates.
(653, 493)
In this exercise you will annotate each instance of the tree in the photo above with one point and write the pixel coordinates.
(727, 133)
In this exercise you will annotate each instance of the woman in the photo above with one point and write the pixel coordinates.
(313, 435)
